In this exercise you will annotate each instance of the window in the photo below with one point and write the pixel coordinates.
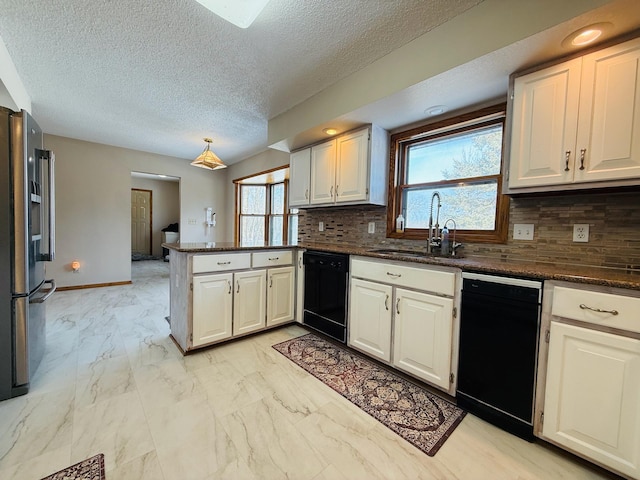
(460, 159)
(262, 213)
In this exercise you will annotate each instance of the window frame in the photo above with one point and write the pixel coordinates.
(268, 185)
(399, 146)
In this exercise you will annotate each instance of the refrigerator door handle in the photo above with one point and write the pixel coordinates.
(51, 205)
(46, 295)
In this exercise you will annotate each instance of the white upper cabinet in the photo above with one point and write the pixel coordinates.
(299, 177)
(577, 124)
(350, 169)
(323, 173)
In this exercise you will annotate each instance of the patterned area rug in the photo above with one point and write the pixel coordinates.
(89, 469)
(415, 414)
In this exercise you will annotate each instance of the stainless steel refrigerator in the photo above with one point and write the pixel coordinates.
(27, 241)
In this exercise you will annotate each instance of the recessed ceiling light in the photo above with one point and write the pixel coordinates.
(435, 110)
(240, 13)
(586, 35)
(330, 131)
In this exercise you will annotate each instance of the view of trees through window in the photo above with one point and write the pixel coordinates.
(459, 164)
(461, 160)
(263, 216)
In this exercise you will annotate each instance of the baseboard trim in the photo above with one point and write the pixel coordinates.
(94, 285)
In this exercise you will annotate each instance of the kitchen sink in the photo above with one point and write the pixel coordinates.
(392, 252)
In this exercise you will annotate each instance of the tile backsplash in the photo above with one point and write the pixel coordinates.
(613, 218)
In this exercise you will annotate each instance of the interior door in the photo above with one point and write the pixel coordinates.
(141, 221)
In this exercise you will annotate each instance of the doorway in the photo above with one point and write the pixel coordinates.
(141, 221)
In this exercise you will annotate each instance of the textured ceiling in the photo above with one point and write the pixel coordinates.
(158, 76)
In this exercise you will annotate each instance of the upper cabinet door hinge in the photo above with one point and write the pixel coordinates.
(452, 377)
(541, 418)
(547, 336)
(455, 312)
(191, 286)
(191, 337)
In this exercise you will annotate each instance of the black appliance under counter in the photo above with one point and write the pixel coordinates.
(325, 293)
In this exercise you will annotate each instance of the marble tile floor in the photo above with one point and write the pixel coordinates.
(113, 382)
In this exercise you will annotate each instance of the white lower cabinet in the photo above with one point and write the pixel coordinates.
(280, 295)
(422, 336)
(212, 308)
(393, 321)
(370, 318)
(592, 400)
(249, 301)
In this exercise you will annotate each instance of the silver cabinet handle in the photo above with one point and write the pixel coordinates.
(331, 191)
(582, 152)
(300, 261)
(306, 194)
(394, 275)
(229, 283)
(224, 263)
(566, 160)
(337, 190)
(272, 259)
(398, 306)
(386, 302)
(237, 286)
(585, 307)
(271, 281)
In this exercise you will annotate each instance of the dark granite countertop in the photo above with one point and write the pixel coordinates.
(611, 277)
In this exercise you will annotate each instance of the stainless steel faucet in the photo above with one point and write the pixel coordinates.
(431, 225)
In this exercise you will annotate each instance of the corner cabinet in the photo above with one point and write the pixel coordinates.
(350, 169)
(576, 124)
(592, 377)
(218, 296)
(406, 316)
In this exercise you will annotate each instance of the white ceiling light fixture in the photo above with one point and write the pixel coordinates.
(241, 13)
(330, 131)
(586, 35)
(435, 110)
(207, 159)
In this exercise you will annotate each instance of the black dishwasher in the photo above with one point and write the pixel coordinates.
(499, 330)
(325, 293)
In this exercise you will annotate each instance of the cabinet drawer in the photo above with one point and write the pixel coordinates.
(221, 262)
(272, 258)
(581, 305)
(426, 279)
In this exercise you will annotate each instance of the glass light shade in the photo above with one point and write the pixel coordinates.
(207, 159)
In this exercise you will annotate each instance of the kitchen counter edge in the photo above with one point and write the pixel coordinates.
(604, 276)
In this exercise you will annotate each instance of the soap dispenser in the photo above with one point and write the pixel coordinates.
(400, 224)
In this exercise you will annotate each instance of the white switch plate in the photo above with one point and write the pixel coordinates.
(321, 226)
(193, 221)
(581, 232)
(372, 227)
(523, 231)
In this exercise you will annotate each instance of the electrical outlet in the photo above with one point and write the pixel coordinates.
(581, 232)
(372, 227)
(523, 231)
(321, 226)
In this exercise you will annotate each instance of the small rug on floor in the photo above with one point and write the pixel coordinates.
(136, 257)
(418, 416)
(89, 469)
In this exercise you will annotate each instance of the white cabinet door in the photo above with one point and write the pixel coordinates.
(352, 167)
(592, 399)
(544, 126)
(370, 318)
(300, 286)
(609, 125)
(211, 308)
(299, 177)
(249, 302)
(280, 295)
(323, 172)
(422, 336)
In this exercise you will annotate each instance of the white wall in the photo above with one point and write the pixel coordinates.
(165, 207)
(93, 207)
(267, 160)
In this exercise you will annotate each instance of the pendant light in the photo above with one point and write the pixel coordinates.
(207, 159)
